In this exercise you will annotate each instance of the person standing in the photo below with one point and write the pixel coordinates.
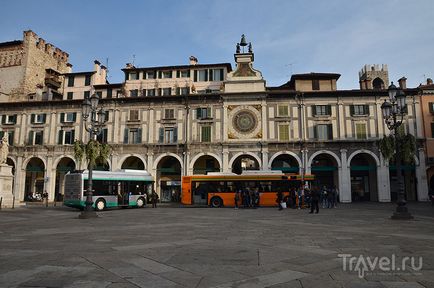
(279, 199)
(314, 200)
(237, 198)
(154, 198)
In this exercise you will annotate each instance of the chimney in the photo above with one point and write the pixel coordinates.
(129, 66)
(428, 81)
(402, 83)
(69, 68)
(193, 60)
(104, 72)
(96, 66)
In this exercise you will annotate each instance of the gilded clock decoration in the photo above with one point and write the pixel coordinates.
(245, 121)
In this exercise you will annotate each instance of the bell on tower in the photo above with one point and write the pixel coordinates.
(243, 43)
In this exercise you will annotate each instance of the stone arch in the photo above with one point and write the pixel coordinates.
(378, 83)
(161, 156)
(377, 160)
(27, 160)
(35, 176)
(58, 159)
(297, 158)
(338, 160)
(63, 165)
(11, 159)
(236, 163)
(198, 157)
(126, 157)
(168, 176)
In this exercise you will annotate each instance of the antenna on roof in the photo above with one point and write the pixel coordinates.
(134, 58)
(107, 67)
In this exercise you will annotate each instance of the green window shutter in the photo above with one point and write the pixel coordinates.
(221, 75)
(30, 140)
(126, 130)
(366, 109)
(1, 134)
(329, 110)
(208, 112)
(72, 136)
(195, 75)
(206, 74)
(42, 138)
(11, 137)
(127, 76)
(315, 132)
(188, 73)
(211, 76)
(198, 113)
(62, 117)
(351, 110)
(330, 131)
(432, 130)
(175, 134)
(313, 110)
(3, 119)
(161, 135)
(44, 118)
(14, 119)
(139, 136)
(178, 91)
(431, 108)
(32, 118)
(60, 137)
(160, 74)
(178, 73)
(159, 91)
(74, 116)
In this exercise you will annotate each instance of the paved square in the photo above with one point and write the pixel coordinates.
(205, 247)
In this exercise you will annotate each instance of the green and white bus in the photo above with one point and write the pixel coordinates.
(124, 188)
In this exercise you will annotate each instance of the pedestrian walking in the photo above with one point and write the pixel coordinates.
(314, 195)
(154, 198)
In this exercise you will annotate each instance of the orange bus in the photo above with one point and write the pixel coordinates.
(218, 189)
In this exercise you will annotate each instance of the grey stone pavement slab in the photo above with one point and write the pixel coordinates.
(178, 247)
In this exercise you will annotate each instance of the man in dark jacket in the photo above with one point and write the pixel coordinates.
(314, 199)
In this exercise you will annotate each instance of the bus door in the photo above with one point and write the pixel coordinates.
(200, 193)
(123, 193)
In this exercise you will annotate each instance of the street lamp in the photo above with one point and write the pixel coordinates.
(94, 120)
(393, 115)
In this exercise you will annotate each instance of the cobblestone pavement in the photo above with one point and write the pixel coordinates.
(179, 247)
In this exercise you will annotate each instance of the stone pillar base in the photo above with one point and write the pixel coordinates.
(6, 180)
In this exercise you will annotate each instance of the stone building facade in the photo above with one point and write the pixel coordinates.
(198, 118)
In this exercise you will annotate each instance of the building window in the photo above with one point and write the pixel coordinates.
(284, 132)
(168, 135)
(203, 113)
(283, 111)
(202, 75)
(70, 95)
(315, 84)
(87, 80)
(134, 76)
(109, 93)
(216, 75)
(36, 138)
(360, 131)
(183, 74)
(432, 130)
(358, 110)
(134, 115)
(150, 92)
(37, 118)
(206, 134)
(9, 119)
(324, 131)
(167, 74)
(66, 137)
(149, 75)
(184, 91)
(71, 81)
(431, 107)
(134, 93)
(86, 94)
(102, 137)
(133, 136)
(321, 110)
(69, 117)
(10, 136)
(166, 91)
(169, 113)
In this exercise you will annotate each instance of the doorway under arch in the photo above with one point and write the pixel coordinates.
(410, 184)
(325, 168)
(245, 162)
(35, 180)
(205, 164)
(64, 166)
(101, 164)
(169, 178)
(363, 178)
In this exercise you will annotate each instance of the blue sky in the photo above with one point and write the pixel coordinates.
(288, 36)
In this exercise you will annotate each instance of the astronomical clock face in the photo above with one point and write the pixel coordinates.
(244, 122)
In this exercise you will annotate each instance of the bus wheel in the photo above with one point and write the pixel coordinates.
(99, 205)
(216, 202)
(140, 202)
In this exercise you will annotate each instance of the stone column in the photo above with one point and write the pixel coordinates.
(20, 179)
(344, 179)
(6, 188)
(305, 160)
(264, 152)
(383, 181)
(50, 178)
(225, 160)
(422, 182)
